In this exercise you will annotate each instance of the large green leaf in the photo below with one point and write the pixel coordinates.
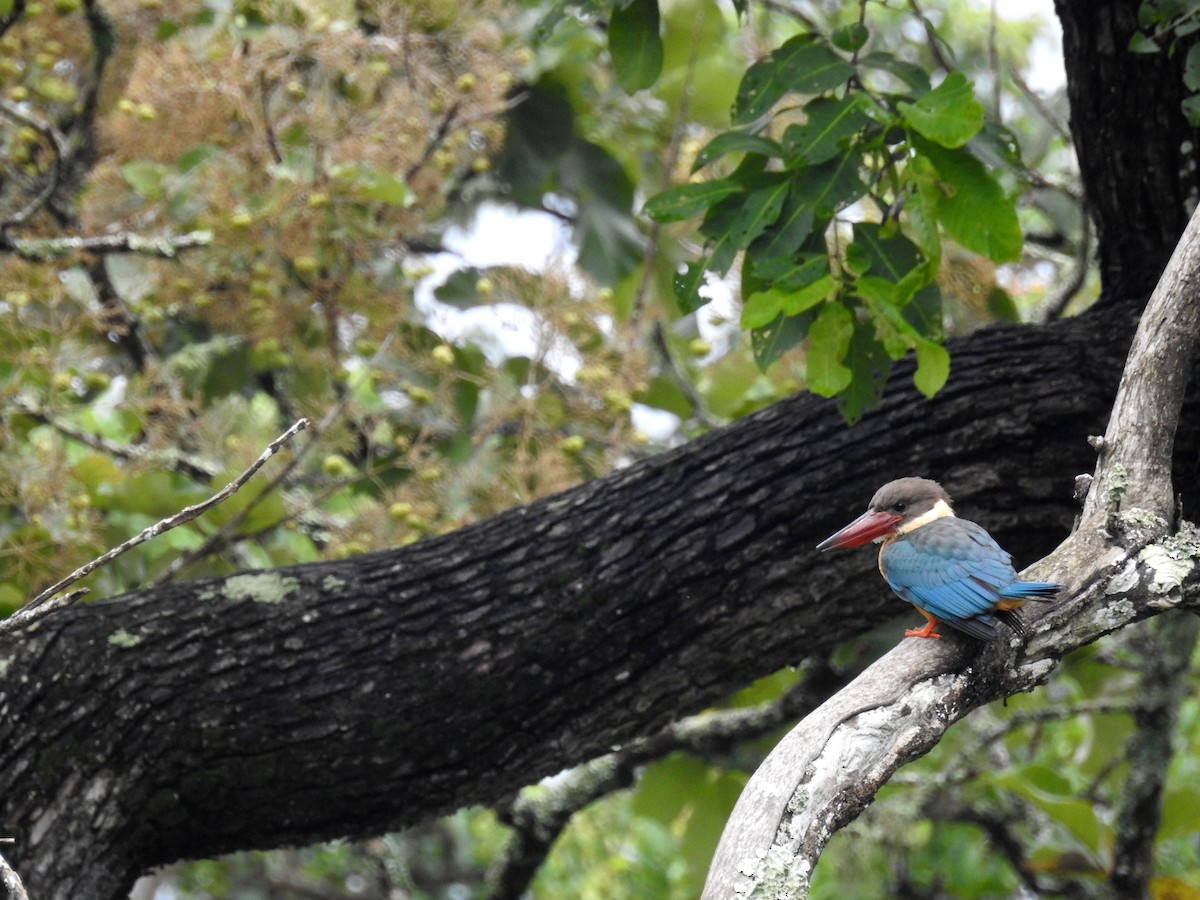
(911, 74)
(829, 125)
(683, 201)
(828, 343)
(971, 205)
(830, 186)
(759, 209)
(933, 367)
(787, 232)
(807, 286)
(687, 284)
(949, 114)
(869, 365)
(734, 142)
(635, 45)
(803, 65)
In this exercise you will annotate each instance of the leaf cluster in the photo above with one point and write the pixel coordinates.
(854, 173)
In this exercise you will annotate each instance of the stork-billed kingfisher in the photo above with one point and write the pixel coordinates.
(950, 569)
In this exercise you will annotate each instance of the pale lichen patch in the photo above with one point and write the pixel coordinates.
(1138, 518)
(122, 638)
(1172, 559)
(332, 583)
(261, 587)
(1125, 580)
(780, 873)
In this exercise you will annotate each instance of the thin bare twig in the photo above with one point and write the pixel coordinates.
(184, 465)
(685, 386)
(174, 521)
(27, 615)
(221, 536)
(165, 246)
(57, 143)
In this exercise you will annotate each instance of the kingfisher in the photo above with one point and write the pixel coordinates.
(950, 569)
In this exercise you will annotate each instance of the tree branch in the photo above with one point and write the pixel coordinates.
(57, 143)
(166, 246)
(184, 515)
(10, 884)
(1165, 648)
(823, 773)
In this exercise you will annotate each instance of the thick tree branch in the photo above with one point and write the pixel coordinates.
(829, 767)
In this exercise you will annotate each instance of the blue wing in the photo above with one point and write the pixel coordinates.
(951, 568)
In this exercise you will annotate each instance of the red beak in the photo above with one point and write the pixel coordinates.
(867, 527)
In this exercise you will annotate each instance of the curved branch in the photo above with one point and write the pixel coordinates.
(57, 143)
(823, 773)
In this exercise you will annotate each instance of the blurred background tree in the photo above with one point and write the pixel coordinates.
(418, 224)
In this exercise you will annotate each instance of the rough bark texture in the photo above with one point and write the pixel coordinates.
(1137, 153)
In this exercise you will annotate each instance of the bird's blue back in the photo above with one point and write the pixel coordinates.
(954, 570)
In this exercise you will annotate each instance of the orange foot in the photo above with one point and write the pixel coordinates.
(926, 631)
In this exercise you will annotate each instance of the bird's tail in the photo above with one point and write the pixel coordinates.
(1042, 591)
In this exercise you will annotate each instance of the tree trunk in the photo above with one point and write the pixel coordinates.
(1137, 152)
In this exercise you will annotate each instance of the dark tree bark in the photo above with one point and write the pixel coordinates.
(1137, 152)
(353, 697)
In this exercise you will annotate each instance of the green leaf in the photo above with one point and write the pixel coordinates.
(6, 6)
(971, 205)
(773, 340)
(788, 231)
(830, 186)
(687, 200)
(829, 125)
(850, 38)
(383, 187)
(1191, 109)
(810, 288)
(687, 284)
(803, 65)
(146, 178)
(933, 367)
(759, 209)
(911, 74)
(870, 366)
(1191, 68)
(734, 142)
(829, 342)
(1142, 43)
(949, 114)
(635, 44)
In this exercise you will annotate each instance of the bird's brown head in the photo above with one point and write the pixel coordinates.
(896, 507)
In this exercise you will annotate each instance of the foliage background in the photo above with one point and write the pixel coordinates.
(345, 159)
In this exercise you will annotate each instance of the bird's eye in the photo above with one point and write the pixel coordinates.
(899, 507)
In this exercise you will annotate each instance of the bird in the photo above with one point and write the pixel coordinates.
(950, 569)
